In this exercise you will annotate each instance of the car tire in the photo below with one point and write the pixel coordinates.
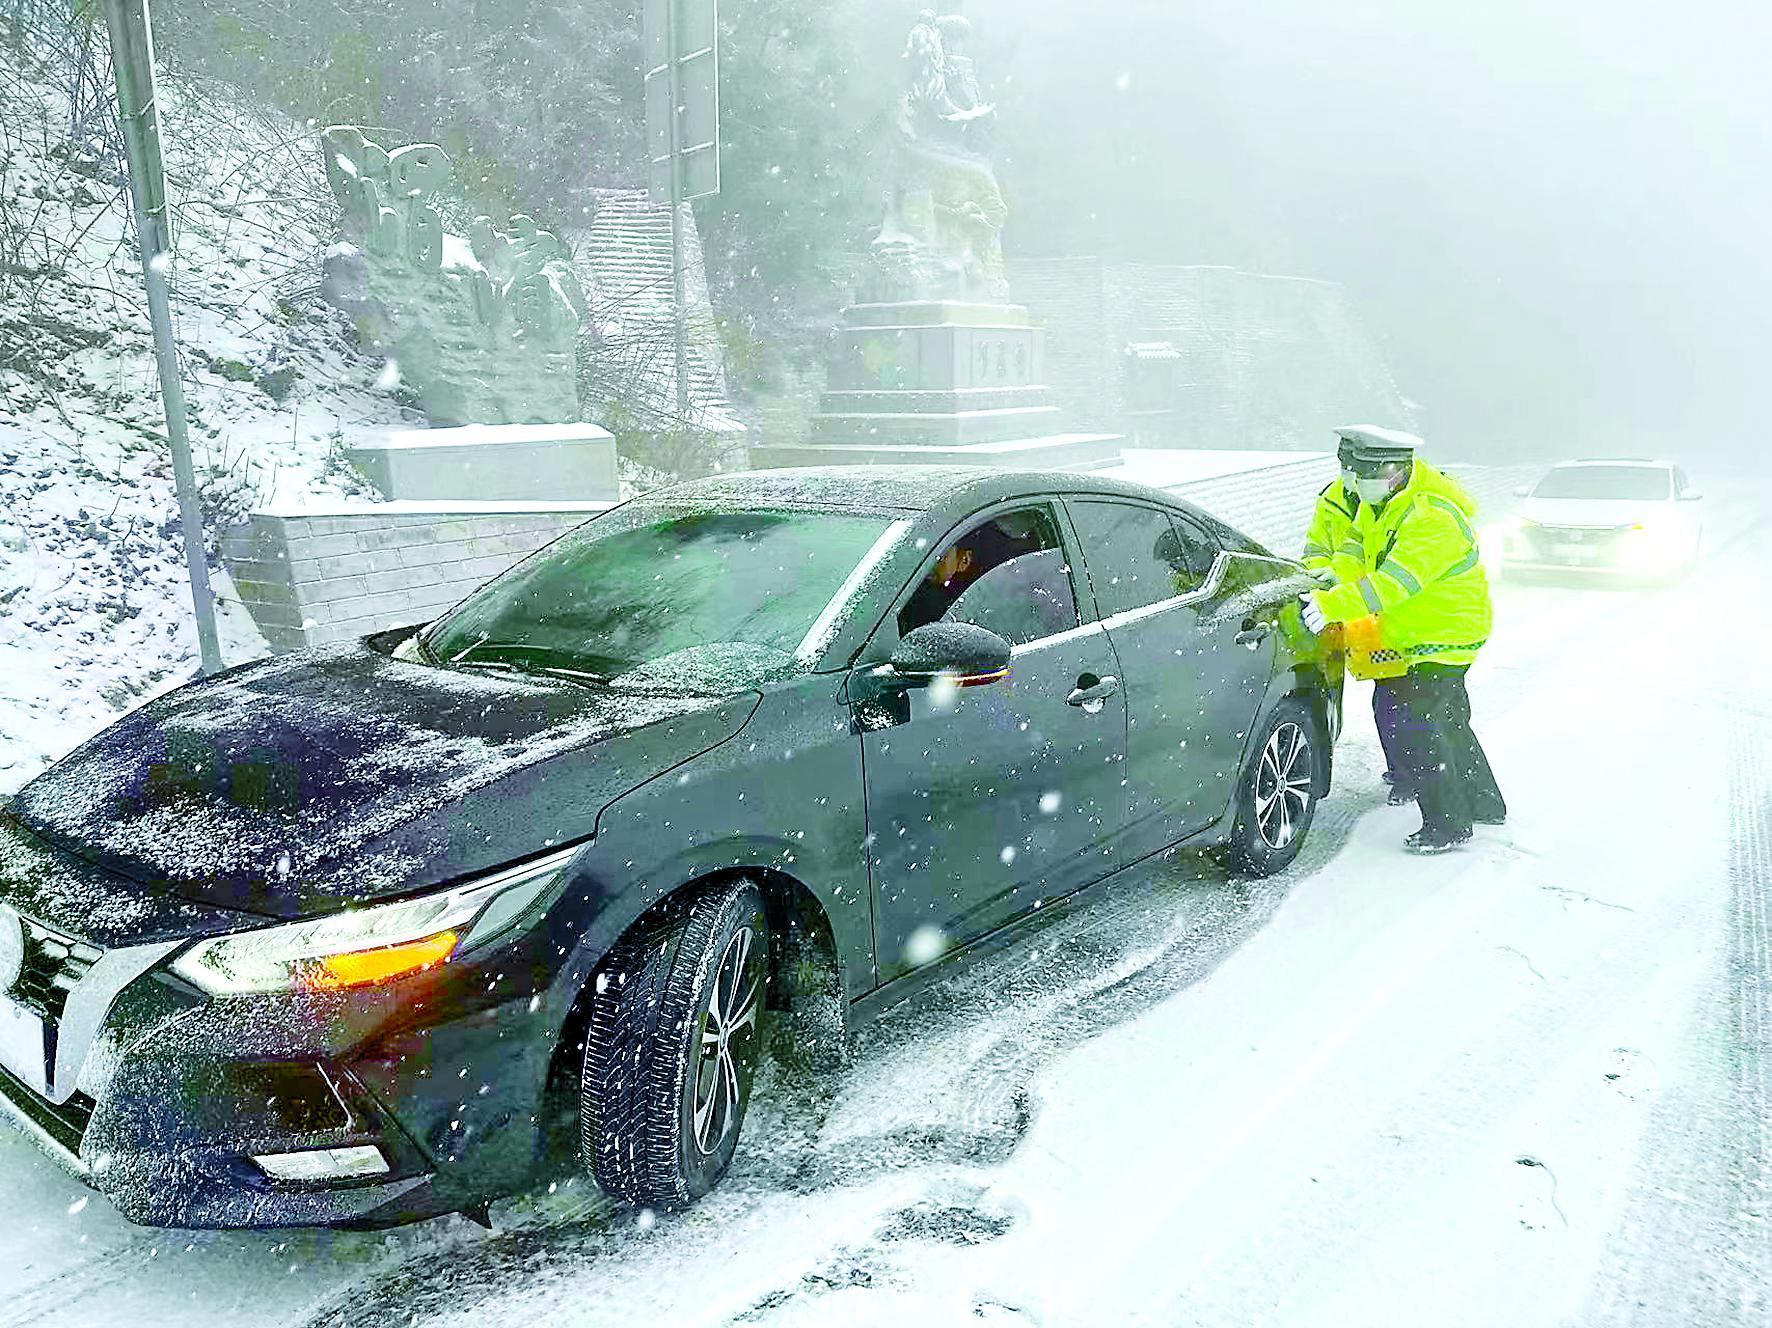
(673, 1046)
(1277, 792)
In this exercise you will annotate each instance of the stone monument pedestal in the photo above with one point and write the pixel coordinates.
(940, 382)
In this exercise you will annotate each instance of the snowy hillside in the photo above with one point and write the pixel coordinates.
(94, 614)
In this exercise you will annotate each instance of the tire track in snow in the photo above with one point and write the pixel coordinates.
(943, 1082)
(1695, 1243)
(1750, 883)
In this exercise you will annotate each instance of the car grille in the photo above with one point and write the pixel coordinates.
(64, 1122)
(1552, 541)
(53, 967)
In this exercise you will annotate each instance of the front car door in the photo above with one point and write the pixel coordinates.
(984, 801)
(1192, 687)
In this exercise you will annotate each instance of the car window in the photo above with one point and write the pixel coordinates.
(1135, 555)
(1022, 600)
(979, 577)
(1198, 549)
(1638, 483)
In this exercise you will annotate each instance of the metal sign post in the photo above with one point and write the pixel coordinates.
(132, 57)
(683, 133)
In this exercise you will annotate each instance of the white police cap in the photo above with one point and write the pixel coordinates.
(1372, 443)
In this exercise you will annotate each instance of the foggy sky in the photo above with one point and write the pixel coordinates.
(1554, 215)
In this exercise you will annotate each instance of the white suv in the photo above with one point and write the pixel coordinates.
(1624, 516)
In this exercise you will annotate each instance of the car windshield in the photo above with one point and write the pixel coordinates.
(677, 598)
(1626, 482)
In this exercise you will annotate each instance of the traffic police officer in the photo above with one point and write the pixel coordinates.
(1333, 553)
(1423, 581)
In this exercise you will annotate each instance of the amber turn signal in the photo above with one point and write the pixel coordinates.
(361, 967)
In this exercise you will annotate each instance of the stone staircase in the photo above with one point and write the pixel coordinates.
(623, 260)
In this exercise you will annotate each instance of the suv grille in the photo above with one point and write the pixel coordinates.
(54, 965)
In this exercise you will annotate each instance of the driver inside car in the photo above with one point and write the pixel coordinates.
(987, 545)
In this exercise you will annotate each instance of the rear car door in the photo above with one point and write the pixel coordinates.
(982, 802)
(1192, 686)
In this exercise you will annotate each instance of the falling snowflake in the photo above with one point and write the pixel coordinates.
(925, 945)
(944, 694)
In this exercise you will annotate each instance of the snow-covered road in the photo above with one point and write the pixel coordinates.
(1522, 1084)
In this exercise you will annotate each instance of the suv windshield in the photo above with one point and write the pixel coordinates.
(1627, 482)
(684, 599)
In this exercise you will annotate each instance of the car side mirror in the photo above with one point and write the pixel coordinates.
(1522, 491)
(970, 655)
(1691, 496)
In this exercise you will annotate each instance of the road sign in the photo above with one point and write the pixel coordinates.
(682, 97)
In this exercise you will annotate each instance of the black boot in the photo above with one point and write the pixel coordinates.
(1437, 839)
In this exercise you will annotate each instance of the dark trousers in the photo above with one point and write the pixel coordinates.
(1387, 714)
(1441, 755)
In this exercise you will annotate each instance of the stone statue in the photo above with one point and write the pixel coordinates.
(484, 330)
(942, 237)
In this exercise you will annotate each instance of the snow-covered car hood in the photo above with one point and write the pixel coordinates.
(333, 776)
(1594, 511)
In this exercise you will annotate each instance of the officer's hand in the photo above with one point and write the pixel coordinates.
(1324, 574)
(1312, 613)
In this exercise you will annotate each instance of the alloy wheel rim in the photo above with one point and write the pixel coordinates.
(728, 1029)
(1282, 785)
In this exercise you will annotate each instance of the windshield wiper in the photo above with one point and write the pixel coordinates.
(579, 676)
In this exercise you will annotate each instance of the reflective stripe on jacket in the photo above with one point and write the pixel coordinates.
(1368, 658)
(1422, 577)
(1331, 541)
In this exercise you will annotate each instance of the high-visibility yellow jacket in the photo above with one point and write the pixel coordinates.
(1422, 576)
(1331, 541)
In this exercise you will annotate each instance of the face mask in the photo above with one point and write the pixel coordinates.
(1373, 491)
(1350, 482)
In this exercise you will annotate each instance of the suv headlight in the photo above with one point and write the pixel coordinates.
(376, 943)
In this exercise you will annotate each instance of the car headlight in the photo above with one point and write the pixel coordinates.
(1652, 542)
(375, 943)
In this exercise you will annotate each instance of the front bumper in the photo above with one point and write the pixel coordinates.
(1605, 552)
(162, 1099)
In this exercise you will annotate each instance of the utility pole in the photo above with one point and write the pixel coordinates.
(132, 59)
(682, 94)
(679, 260)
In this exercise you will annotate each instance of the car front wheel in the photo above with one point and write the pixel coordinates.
(673, 1046)
(1278, 793)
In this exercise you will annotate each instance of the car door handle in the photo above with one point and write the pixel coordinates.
(1091, 697)
(1253, 633)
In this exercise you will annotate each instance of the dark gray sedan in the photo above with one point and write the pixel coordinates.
(370, 932)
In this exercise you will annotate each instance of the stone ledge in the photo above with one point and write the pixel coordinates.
(499, 462)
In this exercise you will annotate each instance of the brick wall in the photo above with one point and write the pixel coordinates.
(1274, 504)
(308, 579)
